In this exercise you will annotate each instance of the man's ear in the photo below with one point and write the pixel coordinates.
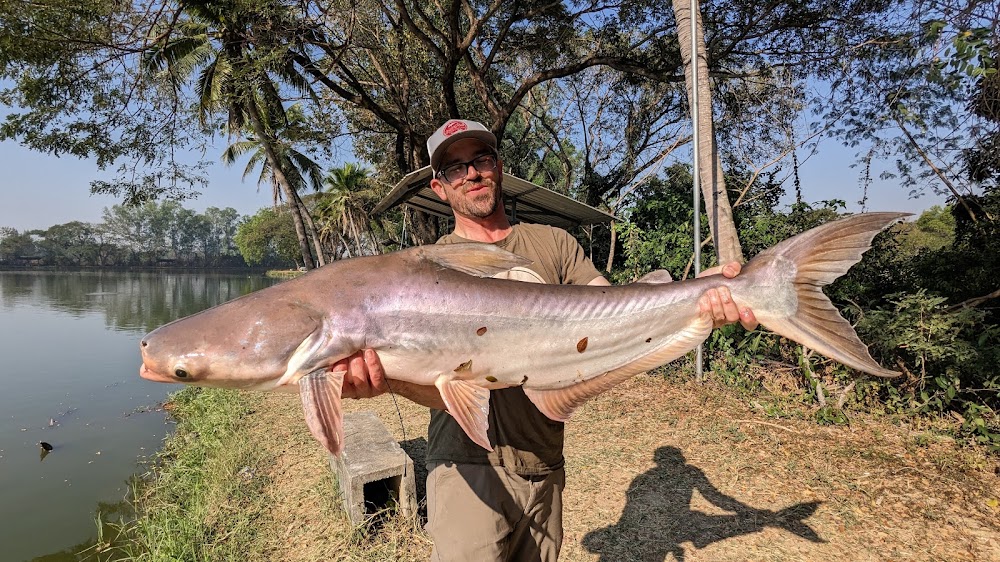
(438, 188)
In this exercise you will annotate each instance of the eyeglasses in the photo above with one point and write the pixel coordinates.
(453, 173)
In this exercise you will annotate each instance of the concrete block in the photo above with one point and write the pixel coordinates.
(373, 471)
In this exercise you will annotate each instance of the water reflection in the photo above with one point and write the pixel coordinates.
(130, 301)
(70, 378)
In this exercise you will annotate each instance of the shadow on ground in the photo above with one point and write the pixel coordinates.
(417, 450)
(658, 519)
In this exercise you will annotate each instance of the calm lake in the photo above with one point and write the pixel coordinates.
(69, 344)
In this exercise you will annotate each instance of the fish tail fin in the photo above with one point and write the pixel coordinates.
(818, 257)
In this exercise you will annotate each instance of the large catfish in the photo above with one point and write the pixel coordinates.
(436, 316)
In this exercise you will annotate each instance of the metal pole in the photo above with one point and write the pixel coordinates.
(695, 172)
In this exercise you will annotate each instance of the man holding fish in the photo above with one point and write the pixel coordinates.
(504, 504)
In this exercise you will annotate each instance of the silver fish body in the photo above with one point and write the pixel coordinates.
(436, 316)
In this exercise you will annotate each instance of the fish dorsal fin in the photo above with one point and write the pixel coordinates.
(320, 393)
(469, 405)
(656, 277)
(473, 258)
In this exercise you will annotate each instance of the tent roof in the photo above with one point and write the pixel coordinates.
(524, 201)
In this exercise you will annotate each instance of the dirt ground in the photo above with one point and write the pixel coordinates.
(665, 471)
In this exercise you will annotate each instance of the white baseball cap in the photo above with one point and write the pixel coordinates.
(455, 130)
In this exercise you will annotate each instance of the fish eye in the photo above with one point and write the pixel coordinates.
(181, 373)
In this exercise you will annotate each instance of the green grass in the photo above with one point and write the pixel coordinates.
(202, 497)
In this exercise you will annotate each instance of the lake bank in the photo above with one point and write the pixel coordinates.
(653, 468)
(70, 376)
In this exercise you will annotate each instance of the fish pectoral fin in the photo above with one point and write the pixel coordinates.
(469, 404)
(473, 258)
(320, 393)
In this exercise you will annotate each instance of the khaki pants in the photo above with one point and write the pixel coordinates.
(483, 513)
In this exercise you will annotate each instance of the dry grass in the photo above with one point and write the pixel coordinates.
(660, 471)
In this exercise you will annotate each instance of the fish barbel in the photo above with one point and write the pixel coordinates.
(436, 316)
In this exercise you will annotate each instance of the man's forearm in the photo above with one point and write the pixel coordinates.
(425, 395)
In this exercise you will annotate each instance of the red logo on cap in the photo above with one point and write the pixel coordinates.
(454, 127)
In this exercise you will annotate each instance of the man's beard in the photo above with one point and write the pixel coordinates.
(479, 205)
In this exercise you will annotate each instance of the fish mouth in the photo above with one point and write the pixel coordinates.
(151, 375)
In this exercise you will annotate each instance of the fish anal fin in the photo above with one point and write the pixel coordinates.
(473, 258)
(560, 403)
(469, 404)
(320, 394)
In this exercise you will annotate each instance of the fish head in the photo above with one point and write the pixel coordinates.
(246, 343)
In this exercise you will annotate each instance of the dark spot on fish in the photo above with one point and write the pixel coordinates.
(481, 331)
(144, 343)
(581, 345)
(649, 340)
(467, 366)
(525, 379)
(491, 378)
(181, 373)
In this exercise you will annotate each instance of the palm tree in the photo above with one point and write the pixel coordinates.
(209, 42)
(343, 210)
(713, 184)
(301, 171)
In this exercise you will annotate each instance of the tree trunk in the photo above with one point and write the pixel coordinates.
(311, 232)
(713, 184)
(279, 177)
(423, 226)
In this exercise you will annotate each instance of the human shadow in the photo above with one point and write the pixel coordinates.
(658, 519)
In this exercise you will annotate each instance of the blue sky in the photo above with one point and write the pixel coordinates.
(40, 190)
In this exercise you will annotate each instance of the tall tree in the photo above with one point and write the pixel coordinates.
(344, 210)
(922, 96)
(300, 171)
(233, 48)
(713, 183)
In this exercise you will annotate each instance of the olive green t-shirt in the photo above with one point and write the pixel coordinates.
(523, 439)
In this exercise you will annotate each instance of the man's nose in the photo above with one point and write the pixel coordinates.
(475, 171)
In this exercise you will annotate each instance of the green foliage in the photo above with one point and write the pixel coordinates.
(658, 232)
(949, 358)
(948, 352)
(148, 234)
(268, 238)
(733, 352)
(15, 246)
(933, 230)
(344, 214)
(831, 415)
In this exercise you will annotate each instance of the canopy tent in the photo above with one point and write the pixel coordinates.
(523, 200)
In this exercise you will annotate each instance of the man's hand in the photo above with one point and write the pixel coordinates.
(364, 376)
(719, 302)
